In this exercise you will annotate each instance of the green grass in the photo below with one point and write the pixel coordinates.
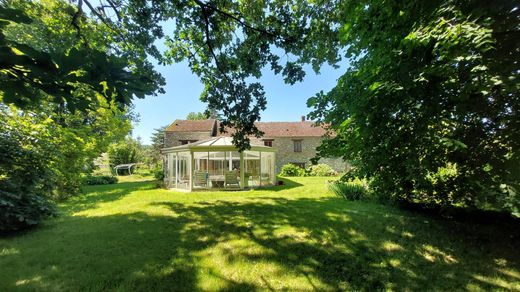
(130, 236)
(136, 177)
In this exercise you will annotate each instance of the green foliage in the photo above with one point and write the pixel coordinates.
(125, 151)
(100, 180)
(228, 44)
(292, 170)
(351, 190)
(428, 110)
(313, 170)
(30, 69)
(197, 116)
(54, 110)
(25, 180)
(321, 170)
(153, 154)
(158, 173)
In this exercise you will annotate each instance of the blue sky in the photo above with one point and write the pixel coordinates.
(284, 102)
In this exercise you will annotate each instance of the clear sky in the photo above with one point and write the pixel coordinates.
(284, 102)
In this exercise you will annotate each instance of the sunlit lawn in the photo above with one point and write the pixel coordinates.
(130, 236)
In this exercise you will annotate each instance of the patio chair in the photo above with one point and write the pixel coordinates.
(230, 178)
(200, 179)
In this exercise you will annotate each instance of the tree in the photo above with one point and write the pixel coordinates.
(65, 95)
(34, 67)
(25, 177)
(157, 144)
(429, 109)
(126, 151)
(197, 116)
(228, 43)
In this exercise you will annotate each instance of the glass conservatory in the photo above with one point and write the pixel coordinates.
(216, 164)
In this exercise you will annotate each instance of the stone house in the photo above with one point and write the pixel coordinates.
(295, 142)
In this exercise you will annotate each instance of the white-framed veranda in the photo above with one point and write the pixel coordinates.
(217, 164)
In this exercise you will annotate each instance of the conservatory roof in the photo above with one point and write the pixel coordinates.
(215, 144)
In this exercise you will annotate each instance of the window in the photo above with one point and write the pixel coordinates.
(297, 145)
(268, 143)
(184, 142)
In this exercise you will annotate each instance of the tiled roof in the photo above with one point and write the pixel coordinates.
(270, 129)
(284, 129)
(191, 126)
(290, 129)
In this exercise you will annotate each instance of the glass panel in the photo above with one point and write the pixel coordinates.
(183, 175)
(217, 166)
(267, 167)
(233, 158)
(200, 175)
(231, 170)
(252, 168)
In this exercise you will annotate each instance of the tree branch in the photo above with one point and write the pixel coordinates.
(236, 18)
(105, 21)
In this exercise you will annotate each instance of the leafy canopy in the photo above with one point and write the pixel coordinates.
(228, 44)
(31, 69)
(65, 95)
(429, 109)
(196, 116)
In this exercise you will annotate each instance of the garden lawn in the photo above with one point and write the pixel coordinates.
(131, 236)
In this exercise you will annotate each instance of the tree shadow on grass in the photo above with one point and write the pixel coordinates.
(361, 247)
(306, 244)
(287, 184)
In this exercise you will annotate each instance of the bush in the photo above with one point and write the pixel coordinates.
(126, 151)
(321, 170)
(292, 170)
(25, 181)
(351, 191)
(313, 170)
(158, 173)
(19, 211)
(100, 180)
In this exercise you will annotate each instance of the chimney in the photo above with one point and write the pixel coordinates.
(303, 119)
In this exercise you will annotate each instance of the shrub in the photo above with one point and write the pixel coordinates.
(126, 151)
(100, 180)
(19, 211)
(158, 173)
(352, 190)
(25, 181)
(292, 170)
(321, 170)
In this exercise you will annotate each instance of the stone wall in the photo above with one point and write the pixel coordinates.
(172, 139)
(286, 154)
